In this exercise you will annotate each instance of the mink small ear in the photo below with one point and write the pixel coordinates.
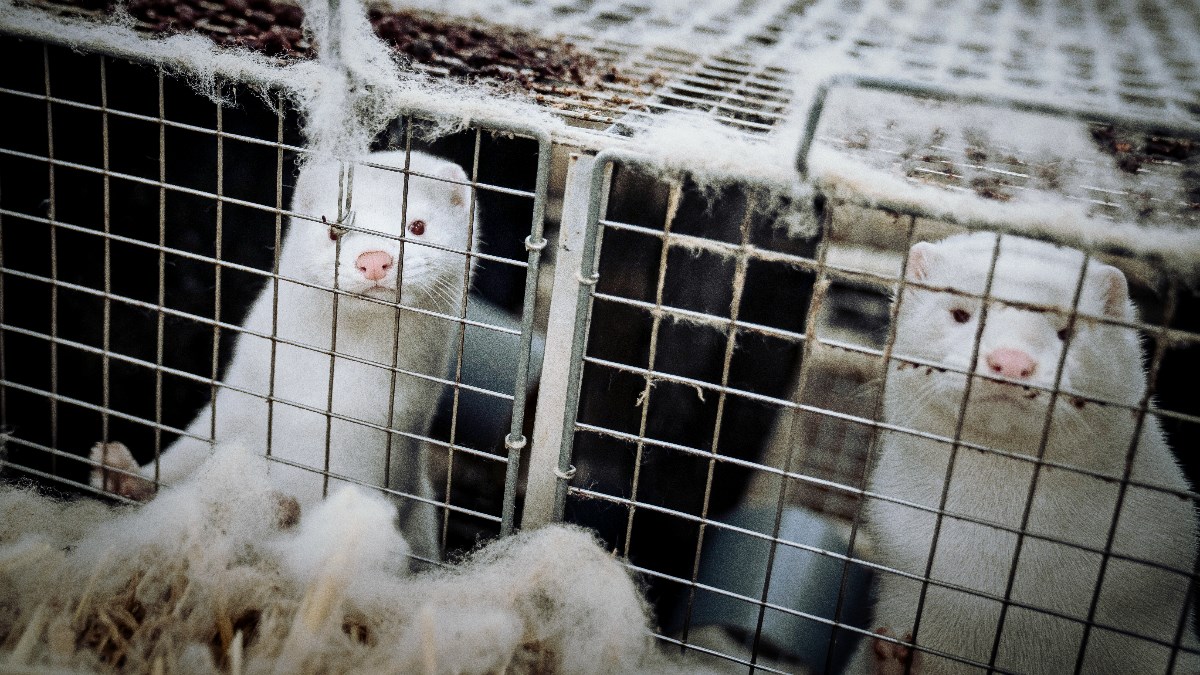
(921, 258)
(1114, 291)
(459, 194)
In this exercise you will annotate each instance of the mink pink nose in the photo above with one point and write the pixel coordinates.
(374, 265)
(1011, 363)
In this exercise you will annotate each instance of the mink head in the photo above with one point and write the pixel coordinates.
(1015, 340)
(413, 232)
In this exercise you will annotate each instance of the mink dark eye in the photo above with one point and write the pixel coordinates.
(417, 227)
(960, 315)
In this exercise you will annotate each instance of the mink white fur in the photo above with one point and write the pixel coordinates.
(1103, 363)
(369, 335)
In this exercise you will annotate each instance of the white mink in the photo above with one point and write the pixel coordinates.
(1023, 346)
(437, 223)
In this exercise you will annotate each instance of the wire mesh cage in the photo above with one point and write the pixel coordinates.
(731, 417)
(864, 334)
(160, 235)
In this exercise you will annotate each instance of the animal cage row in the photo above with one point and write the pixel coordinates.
(688, 373)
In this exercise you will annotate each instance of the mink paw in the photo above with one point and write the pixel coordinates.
(892, 658)
(115, 455)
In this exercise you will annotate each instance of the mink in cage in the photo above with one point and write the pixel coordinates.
(204, 257)
(1025, 486)
(665, 405)
(843, 364)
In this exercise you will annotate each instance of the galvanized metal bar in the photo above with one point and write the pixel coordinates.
(858, 419)
(830, 484)
(1184, 625)
(786, 543)
(345, 190)
(185, 375)
(1176, 336)
(116, 112)
(55, 477)
(715, 322)
(883, 281)
(50, 161)
(294, 404)
(461, 337)
(820, 290)
(1065, 236)
(548, 420)
(587, 278)
(515, 442)
(92, 407)
(759, 668)
(407, 496)
(804, 615)
(967, 97)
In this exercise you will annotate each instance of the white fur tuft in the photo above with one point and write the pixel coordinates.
(205, 573)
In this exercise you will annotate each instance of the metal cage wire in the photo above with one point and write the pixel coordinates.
(749, 88)
(727, 323)
(220, 200)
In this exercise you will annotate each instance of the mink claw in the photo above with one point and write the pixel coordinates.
(892, 658)
(115, 471)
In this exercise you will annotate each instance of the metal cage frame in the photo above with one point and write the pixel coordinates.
(752, 93)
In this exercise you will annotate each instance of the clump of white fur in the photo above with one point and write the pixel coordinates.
(210, 577)
(714, 155)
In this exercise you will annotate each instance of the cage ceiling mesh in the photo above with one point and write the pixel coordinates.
(615, 69)
(1140, 58)
(743, 62)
